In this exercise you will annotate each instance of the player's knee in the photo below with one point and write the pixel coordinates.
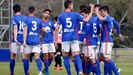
(75, 53)
(65, 53)
(101, 57)
(93, 61)
(85, 59)
(51, 55)
(37, 55)
(45, 56)
(26, 56)
(13, 55)
(107, 58)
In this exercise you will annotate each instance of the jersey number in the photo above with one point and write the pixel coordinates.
(69, 23)
(94, 28)
(21, 27)
(34, 25)
(81, 26)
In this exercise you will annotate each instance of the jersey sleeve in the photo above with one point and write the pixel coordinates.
(25, 22)
(41, 24)
(116, 24)
(107, 18)
(59, 20)
(79, 17)
(14, 22)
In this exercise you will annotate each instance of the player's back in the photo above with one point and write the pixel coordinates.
(69, 20)
(92, 31)
(19, 20)
(34, 25)
(81, 30)
(107, 27)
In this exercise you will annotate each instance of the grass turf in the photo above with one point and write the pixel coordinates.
(126, 69)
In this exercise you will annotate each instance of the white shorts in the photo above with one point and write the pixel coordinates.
(32, 49)
(84, 49)
(106, 49)
(15, 48)
(90, 51)
(98, 49)
(48, 48)
(73, 45)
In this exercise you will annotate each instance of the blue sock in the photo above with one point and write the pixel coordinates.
(98, 63)
(67, 65)
(50, 61)
(76, 67)
(83, 66)
(88, 68)
(95, 69)
(105, 68)
(46, 63)
(12, 65)
(79, 62)
(26, 66)
(39, 64)
(113, 67)
(110, 71)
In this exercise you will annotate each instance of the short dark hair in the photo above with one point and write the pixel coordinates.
(31, 9)
(56, 18)
(105, 8)
(85, 10)
(67, 3)
(97, 5)
(47, 10)
(82, 7)
(16, 8)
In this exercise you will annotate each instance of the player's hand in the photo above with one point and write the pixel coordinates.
(17, 43)
(24, 43)
(92, 7)
(121, 37)
(84, 42)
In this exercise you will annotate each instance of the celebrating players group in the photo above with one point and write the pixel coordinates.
(87, 33)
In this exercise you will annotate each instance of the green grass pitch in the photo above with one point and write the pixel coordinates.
(126, 69)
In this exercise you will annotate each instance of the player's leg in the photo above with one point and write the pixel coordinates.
(36, 50)
(108, 61)
(76, 65)
(92, 57)
(97, 53)
(65, 52)
(26, 55)
(87, 63)
(51, 53)
(76, 54)
(45, 58)
(13, 52)
(56, 62)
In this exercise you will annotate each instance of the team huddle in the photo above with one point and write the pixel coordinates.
(87, 34)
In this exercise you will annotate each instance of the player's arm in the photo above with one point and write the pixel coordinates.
(56, 32)
(116, 24)
(90, 14)
(53, 27)
(25, 35)
(15, 32)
